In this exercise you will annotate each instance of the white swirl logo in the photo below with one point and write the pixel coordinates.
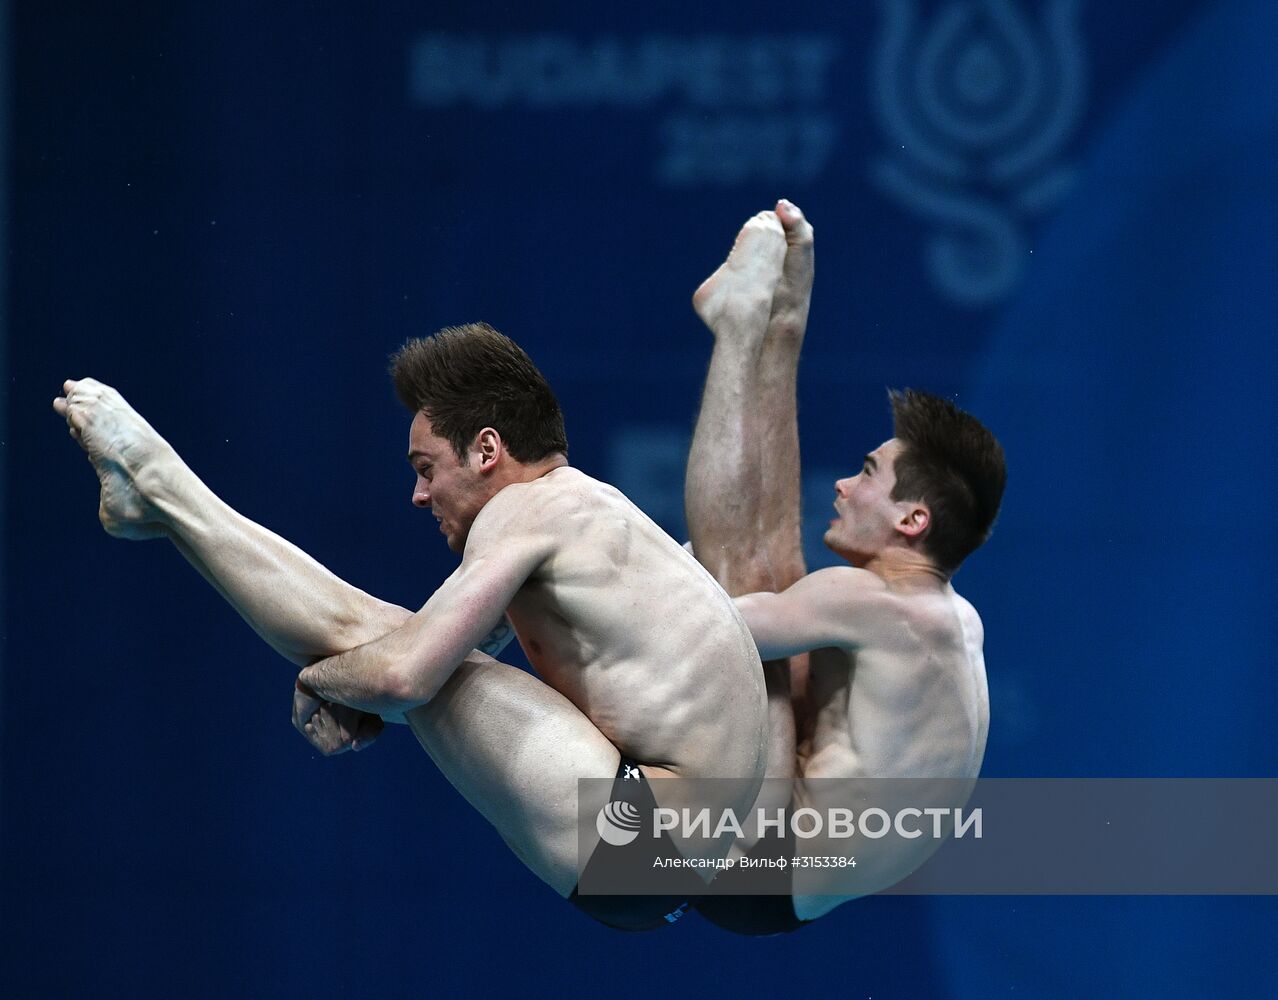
(978, 107)
(618, 823)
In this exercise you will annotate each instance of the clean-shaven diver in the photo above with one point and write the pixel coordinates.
(887, 676)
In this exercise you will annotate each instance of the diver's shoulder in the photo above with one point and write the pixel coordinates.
(968, 616)
(849, 579)
(554, 498)
(946, 615)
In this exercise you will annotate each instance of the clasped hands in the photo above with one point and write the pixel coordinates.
(331, 728)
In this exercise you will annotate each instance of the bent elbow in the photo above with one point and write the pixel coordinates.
(402, 688)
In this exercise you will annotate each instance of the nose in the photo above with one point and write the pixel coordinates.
(421, 494)
(841, 487)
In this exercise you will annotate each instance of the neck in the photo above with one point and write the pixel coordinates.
(906, 567)
(527, 472)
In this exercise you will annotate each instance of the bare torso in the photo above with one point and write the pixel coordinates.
(908, 698)
(630, 628)
(904, 696)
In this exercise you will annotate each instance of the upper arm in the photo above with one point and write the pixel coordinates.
(502, 552)
(831, 607)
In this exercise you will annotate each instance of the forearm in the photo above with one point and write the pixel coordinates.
(365, 678)
(301, 609)
(393, 674)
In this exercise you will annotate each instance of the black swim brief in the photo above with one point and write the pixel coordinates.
(756, 914)
(636, 913)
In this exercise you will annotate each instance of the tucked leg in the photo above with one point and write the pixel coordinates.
(515, 749)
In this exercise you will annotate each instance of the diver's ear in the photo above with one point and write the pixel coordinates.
(914, 520)
(488, 447)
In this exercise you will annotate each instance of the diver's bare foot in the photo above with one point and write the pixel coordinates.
(794, 290)
(120, 446)
(740, 291)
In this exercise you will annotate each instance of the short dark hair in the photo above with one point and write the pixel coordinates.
(466, 378)
(951, 462)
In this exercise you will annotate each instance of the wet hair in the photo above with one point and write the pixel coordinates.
(466, 378)
(951, 462)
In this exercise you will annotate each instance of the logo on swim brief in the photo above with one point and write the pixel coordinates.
(618, 823)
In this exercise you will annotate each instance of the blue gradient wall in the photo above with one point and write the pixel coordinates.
(1060, 213)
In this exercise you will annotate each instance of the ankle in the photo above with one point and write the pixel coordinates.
(166, 483)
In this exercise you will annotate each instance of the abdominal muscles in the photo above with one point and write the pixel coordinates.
(632, 630)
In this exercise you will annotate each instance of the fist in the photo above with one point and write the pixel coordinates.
(329, 728)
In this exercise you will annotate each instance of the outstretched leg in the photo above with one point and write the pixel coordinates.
(513, 747)
(301, 609)
(744, 465)
(771, 558)
(722, 489)
(780, 527)
(743, 470)
(780, 513)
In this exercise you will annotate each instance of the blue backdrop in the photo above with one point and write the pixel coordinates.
(1061, 213)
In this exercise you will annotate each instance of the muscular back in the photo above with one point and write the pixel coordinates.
(897, 689)
(897, 679)
(905, 696)
(630, 628)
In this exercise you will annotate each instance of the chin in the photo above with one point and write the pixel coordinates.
(832, 543)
